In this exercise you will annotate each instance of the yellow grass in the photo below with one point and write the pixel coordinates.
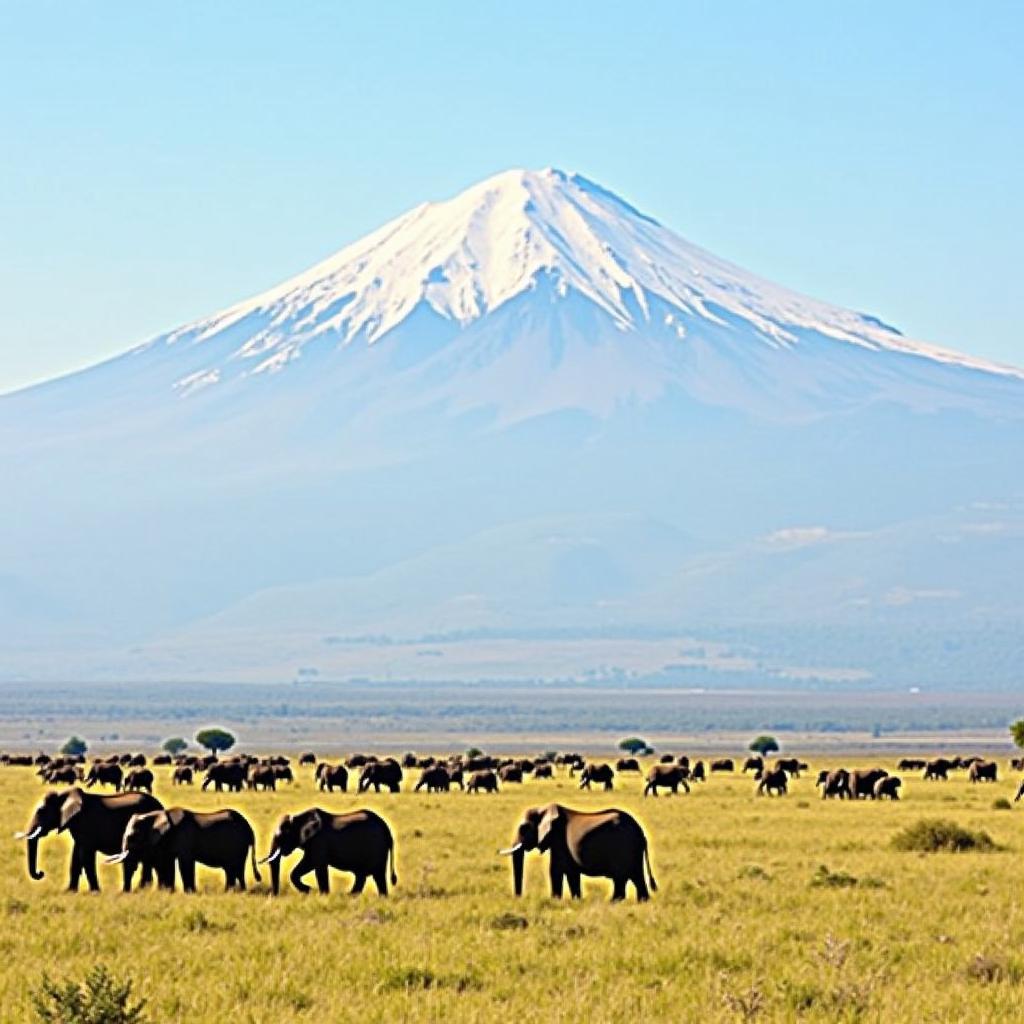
(737, 931)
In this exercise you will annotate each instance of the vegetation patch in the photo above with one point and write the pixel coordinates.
(939, 835)
(98, 999)
(823, 878)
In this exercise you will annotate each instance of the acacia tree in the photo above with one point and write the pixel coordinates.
(74, 746)
(633, 745)
(764, 745)
(175, 745)
(215, 739)
(1017, 732)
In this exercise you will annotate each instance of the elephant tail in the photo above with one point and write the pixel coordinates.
(394, 869)
(252, 856)
(650, 873)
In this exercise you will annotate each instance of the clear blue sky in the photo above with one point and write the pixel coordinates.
(157, 165)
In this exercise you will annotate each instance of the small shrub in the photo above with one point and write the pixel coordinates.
(509, 922)
(754, 871)
(1001, 804)
(825, 879)
(99, 999)
(939, 835)
(990, 970)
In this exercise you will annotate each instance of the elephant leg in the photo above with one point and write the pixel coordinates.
(573, 877)
(187, 867)
(557, 879)
(299, 872)
(380, 879)
(89, 867)
(76, 868)
(640, 883)
(323, 880)
(358, 883)
(618, 888)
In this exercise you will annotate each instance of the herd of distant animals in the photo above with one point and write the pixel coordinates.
(134, 829)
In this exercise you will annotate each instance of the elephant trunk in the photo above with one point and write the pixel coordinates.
(518, 857)
(33, 859)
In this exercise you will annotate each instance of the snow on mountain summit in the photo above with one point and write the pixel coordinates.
(466, 257)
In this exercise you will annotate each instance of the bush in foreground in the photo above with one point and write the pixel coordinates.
(939, 835)
(99, 999)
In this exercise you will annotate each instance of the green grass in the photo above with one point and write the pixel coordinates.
(768, 910)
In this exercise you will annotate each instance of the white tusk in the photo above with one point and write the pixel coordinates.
(34, 834)
(271, 857)
(510, 850)
(117, 858)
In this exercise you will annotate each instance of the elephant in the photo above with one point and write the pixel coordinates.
(667, 759)
(888, 787)
(263, 777)
(791, 765)
(543, 771)
(910, 764)
(937, 769)
(602, 844)
(627, 764)
(510, 773)
(774, 781)
(358, 760)
(359, 841)
(724, 764)
(455, 776)
(983, 771)
(381, 773)
(182, 776)
(697, 773)
(138, 779)
(63, 776)
(330, 776)
(179, 838)
(666, 776)
(753, 764)
(863, 782)
(226, 774)
(597, 773)
(482, 782)
(307, 757)
(434, 779)
(162, 760)
(103, 773)
(137, 761)
(95, 824)
(482, 763)
(283, 773)
(1017, 764)
(835, 784)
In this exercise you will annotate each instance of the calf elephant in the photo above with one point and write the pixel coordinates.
(482, 782)
(262, 776)
(182, 776)
(888, 787)
(330, 777)
(773, 783)
(666, 776)
(381, 773)
(359, 842)
(596, 773)
(95, 823)
(601, 844)
(434, 779)
(178, 838)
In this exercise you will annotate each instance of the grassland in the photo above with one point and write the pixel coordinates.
(786, 909)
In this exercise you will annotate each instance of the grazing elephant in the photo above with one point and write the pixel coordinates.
(138, 779)
(177, 838)
(666, 776)
(510, 773)
(482, 782)
(182, 776)
(263, 777)
(937, 769)
(863, 781)
(228, 775)
(95, 824)
(753, 764)
(64, 776)
(330, 777)
(105, 773)
(602, 844)
(773, 783)
(359, 842)
(723, 764)
(835, 784)
(910, 764)
(983, 771)
(888, 787)
(434, 779)
(597, 773)
(381, 773)
(543, 771)
(307, 757)
(627, 764)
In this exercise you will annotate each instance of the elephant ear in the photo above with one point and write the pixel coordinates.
(72, 805)
(168, 820)
(310, 829)
(551, 819)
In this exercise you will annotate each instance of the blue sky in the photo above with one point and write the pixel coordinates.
(157, 165)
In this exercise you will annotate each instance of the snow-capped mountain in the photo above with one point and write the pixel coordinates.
(533, 349)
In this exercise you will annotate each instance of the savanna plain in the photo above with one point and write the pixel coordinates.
(767, 909)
